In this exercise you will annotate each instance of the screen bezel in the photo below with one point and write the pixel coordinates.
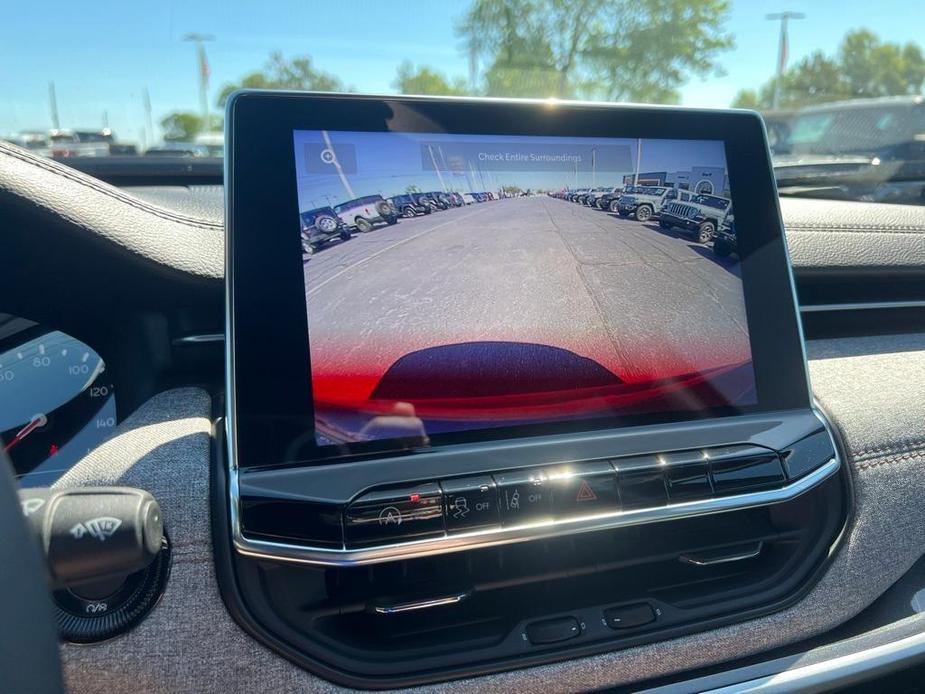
(269, 372)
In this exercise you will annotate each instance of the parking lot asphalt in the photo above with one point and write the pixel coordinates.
(642, 301)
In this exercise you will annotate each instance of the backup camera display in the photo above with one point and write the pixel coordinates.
(457, 283)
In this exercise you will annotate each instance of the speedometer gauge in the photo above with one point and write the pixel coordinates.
(55, 402)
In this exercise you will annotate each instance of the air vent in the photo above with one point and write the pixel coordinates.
(859, 303)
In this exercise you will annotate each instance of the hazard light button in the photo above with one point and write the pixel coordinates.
(584, 489)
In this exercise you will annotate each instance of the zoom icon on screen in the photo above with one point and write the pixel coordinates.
(321, 158)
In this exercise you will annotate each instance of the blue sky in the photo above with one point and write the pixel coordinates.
(102, 54)
(387, 163)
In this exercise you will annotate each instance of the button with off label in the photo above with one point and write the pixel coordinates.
(524, 496)
(470, 503)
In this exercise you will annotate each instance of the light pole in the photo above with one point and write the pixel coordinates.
(53, 106)
(204, 72)
(433, 159)
(149, 122)
(638, 159)
(329, 156)
(593, 167)
(782, 48)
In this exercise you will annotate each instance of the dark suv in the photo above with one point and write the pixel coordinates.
(321, 226)
(610, 202)
(411, 205)
(725, 242)
(441, 200)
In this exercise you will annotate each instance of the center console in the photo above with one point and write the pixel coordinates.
(509, 382)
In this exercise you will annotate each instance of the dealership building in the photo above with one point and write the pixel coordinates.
(699, 179)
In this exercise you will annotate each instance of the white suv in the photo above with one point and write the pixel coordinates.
(364, 213)
(648, 201)
(702, 215)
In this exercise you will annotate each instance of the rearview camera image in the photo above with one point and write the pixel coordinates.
(457, 283)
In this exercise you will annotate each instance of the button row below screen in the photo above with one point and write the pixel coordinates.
(536, 495)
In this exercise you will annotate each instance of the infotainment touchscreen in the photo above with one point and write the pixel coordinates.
(461, 283)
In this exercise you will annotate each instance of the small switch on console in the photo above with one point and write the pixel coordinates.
(641, 487)
(524, 497)
(585, 489)
(382, 516)
(471, 504)
(807, 454)
(688, 481)
(746, 474)
(629, 616)
(553, 630)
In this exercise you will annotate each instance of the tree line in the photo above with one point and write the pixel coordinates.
(612, 50)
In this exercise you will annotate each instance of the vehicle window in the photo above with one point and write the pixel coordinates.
(850, 130)
(829, 85)
(810, 129)
(709, 200)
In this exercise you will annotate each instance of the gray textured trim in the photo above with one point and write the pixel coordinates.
(874, 389)
(832, 673)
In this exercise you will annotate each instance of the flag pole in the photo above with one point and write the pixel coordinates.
(204, 73)
(783, 49)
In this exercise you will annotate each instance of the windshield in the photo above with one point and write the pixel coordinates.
(867, 129)
(830, 78)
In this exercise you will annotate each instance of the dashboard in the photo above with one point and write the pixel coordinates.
(145, 409)
(538, 369)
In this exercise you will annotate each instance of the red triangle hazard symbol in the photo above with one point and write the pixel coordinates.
(585, 493)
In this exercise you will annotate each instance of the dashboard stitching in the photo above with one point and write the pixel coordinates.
(913, 444)
(60, 170)
(904, 458)
(853, 229)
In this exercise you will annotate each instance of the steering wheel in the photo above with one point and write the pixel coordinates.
(29, 660)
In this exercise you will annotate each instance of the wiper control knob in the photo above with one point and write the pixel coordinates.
(94, 534)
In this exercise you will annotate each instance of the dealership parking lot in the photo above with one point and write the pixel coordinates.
(640, 300)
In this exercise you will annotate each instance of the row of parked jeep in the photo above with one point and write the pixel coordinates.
(705, 217)
(322, 225)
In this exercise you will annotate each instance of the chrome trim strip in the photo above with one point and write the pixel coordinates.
(741, 556)
(199, 339)
(862, 306)
(835, 672)
(281, 551)
(421, 604)
(231, 432)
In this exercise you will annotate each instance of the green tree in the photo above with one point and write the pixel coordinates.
(512, 38)
(747, 98)
(181, 126)
(282, 73)
(873, 68)
(641, 50)
(863, 66)
(426, 80)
